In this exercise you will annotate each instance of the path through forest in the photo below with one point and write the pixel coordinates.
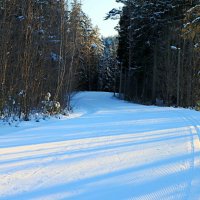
(108, 149)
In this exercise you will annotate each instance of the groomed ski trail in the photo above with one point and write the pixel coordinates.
(110, 150)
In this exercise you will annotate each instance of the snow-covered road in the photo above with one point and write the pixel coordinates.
(110, 150)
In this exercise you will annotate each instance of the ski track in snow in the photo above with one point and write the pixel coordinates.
(109, 150)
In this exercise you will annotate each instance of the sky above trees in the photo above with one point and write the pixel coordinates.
(97, 10)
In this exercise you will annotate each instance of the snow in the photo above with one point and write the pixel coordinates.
(193, 8)
(94, 46)
(21, 18)
(55, 57)
(108, 149)
(175, 48)
(196, 20)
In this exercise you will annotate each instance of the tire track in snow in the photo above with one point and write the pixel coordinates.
(194, 131)
(154, 161)
(178, 189)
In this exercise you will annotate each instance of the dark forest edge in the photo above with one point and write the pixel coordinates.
(159, 51)
(49, 50)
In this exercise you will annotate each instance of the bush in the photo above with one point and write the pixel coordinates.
(197, 107)
(50, 107)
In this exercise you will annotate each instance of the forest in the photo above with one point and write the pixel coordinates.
(88, 116)
(49, 50)
(159, 51)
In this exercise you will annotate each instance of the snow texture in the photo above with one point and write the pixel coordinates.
(108, 150)
(175, 48)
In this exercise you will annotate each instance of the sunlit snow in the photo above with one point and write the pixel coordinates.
(108, 150)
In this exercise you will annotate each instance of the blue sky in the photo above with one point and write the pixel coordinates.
(96, 10)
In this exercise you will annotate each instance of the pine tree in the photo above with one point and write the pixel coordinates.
(108, 69)
(148, 29)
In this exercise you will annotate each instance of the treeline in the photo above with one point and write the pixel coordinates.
(159, 51)
(48, 50)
